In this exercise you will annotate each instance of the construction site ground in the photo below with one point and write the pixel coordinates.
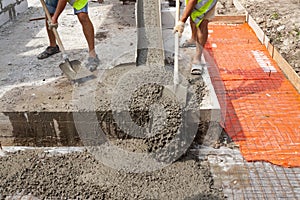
(257, 158)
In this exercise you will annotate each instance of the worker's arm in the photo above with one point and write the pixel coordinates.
(179, 27)
(188, 10)
(60, 7)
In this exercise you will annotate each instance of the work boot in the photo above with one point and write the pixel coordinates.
(92, 63)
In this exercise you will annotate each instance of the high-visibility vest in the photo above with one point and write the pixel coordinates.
(201, 8)
(78, 4)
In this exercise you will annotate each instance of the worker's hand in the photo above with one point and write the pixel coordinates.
(179, 28)
(52, 25)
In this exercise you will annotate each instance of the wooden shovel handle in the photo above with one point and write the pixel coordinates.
(49, 18)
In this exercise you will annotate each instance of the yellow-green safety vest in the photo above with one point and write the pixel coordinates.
(202, 7)
(78, 4)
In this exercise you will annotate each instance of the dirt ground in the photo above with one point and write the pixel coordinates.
(78, 175)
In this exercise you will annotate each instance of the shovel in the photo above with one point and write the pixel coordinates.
(72, 69)
(178, 89)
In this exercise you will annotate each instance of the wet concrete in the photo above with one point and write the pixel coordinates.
(44, 115)
(150, 50)
(40, 107)
(51, 118)
(39, 174)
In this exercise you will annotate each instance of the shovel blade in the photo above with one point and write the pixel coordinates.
(177, 91)
(73, 70)
(181, 93)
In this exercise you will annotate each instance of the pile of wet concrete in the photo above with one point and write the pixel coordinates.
(37, 174)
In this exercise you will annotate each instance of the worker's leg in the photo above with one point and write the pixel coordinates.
(52, 48)
(51, 36)
(51, 6)
(202, 34)
(192, 41)
(194, 31)
(193, 38)
(88, 30)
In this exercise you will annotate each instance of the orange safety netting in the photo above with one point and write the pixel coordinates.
(262, 107)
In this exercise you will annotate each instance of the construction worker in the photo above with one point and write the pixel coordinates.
(200, 12)
(55, 8)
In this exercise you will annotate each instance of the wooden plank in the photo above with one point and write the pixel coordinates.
(289, 72)
(270, 49)
(266, 41)
(231, 19)
(238, 5)
(259, 33)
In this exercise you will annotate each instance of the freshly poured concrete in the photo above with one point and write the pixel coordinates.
(46, 173)
(44, 115)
